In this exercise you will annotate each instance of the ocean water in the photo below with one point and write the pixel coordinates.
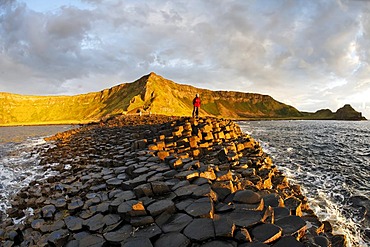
(330, 160)
(19, 157)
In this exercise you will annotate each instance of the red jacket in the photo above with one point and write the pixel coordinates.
(196, 102)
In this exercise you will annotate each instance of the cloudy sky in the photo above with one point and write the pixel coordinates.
(309, 54)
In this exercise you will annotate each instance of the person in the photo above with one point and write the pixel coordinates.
(196, 104)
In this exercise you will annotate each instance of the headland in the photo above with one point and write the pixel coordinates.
(162, 181)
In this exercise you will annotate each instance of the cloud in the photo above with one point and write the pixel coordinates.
(310, 53)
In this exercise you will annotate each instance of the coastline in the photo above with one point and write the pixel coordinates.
(162, 181)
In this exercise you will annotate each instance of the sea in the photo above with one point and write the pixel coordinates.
(330, 160)
(20, 147)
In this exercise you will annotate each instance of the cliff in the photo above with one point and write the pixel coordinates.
(149, 94)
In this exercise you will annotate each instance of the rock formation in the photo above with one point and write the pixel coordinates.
(162, 181)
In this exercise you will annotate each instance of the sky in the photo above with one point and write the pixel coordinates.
(309, 54)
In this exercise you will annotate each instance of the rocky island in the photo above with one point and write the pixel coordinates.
(162, 181)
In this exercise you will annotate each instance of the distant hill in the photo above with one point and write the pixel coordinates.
(149, 94)
(344, 113)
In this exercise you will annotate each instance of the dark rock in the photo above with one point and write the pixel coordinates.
(223, 189)
(322, 241)
(150, 231)
(48, 211)
(75, 204)
(103, 207)
(92, 241)
(291, 225)
(141, 221)
(132, 208)
(288, 241)
(113, 182)
(120, 235)
(59, 237)
(255, 244)
(143, 190)
(339, 241)
(36, 224)
(218, 243)
(200, 229)
(111, 219)
(161, 206)
(52, 226)
(186, 190)
(73, 223)
(95, 223)
(266, 233)
(201, 208)
(245, 218)
(60, 203)
(160, 188)
(173, 239)
(294, 205)
(176, 223)
(223, 227)
(242, 235)
(137, 242)
(281, 212)
(273, 200)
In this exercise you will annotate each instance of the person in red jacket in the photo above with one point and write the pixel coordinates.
(196, 104)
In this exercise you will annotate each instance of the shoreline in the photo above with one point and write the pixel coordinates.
(96, 121)
(163, 181)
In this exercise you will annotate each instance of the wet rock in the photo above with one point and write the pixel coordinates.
(266, 233)
(173, 239)
(200, 229)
